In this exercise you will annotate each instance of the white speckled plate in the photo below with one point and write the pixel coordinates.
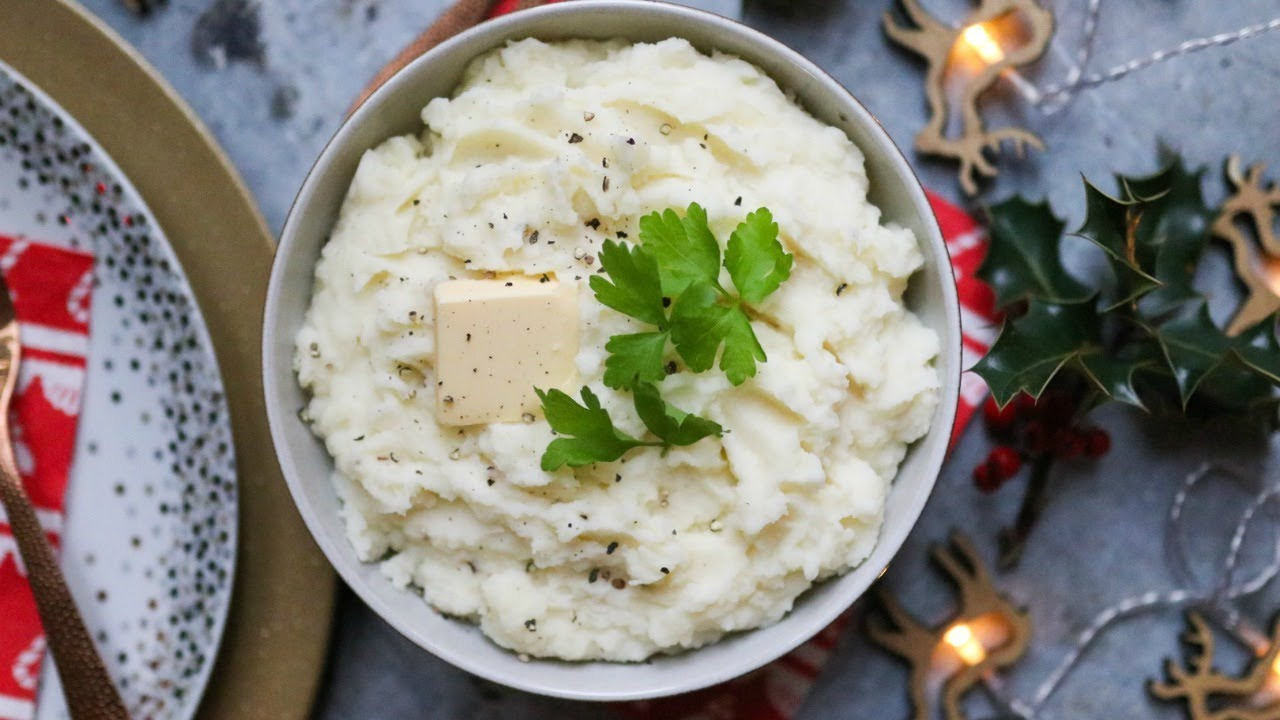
(150, 530)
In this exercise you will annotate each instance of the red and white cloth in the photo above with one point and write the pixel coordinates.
(51, 288)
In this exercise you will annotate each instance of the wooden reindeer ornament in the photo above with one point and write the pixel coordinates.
(1210, 695)
(949, 659)
(1257, 263)
(936, 41)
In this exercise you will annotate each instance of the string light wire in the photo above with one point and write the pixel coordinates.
(1218, 594)
(1056, 96)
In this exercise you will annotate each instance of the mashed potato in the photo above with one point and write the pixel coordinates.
(620, 560)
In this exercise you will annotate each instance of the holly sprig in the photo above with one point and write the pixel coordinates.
(671, 281)
(1139, 334)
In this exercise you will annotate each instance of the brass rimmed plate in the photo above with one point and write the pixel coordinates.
(277, 628)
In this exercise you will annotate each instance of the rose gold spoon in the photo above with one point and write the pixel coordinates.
(88, 688)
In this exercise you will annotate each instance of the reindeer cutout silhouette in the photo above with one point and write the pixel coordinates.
(1258, 265)
(1210, 695)
(935, 40)
(921, 645)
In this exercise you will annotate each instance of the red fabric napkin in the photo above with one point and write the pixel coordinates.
(51, 288)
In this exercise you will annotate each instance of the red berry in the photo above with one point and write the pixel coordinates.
(1025, 402)
(1056, 408)
(1037, 437)
(984, 476)
(1000, 420)
(1005, 461)
(1097, 442)
(1068, 443)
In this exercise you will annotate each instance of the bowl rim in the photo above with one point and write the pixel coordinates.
(891, 538)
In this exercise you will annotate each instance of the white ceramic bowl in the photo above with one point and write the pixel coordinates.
(394, 110)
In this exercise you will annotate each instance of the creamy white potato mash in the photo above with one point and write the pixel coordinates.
(545, 151)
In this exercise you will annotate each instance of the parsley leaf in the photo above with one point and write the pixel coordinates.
(685, 249)
(633, 288)
(755, 258)
(592, 435)
(700, 325)
(635, 357)
(636, 288)
(670, 423)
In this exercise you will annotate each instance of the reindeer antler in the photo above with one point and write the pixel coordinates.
(920, 645)
(1254, 202)
(935, 40)
(1206, 691)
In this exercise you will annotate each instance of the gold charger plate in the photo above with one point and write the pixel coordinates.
(277, 634)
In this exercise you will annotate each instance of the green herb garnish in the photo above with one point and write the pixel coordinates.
(591, 436)
(672, 282)
(679, 264)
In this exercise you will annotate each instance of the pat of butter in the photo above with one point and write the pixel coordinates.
(496, 340)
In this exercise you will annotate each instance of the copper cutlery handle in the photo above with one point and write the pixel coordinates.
(88, 688)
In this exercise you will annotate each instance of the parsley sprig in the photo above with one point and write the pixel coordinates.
(672, 281)
(679, 264)
(591, 437)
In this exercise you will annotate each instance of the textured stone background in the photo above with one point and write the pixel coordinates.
(273, 78)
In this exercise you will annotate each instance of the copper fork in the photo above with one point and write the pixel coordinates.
(88, 688)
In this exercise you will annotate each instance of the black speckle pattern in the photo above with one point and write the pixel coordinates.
(151, 514)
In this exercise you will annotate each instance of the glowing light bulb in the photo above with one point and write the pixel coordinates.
(1270, 271)
(979, 38)
(1275, 666)
(961, 638)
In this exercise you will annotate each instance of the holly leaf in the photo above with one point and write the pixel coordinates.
(1023, 255)
(699, 326)
(1258, 349)
(685, 249)
(1193, 347)
(1113, 376)
(755, 259)
(635, 358)
(1112, 225)
(592, 437)
(1234, 388)
(674, 426)
(1034, 348)
(1172, 233)
(634, 287)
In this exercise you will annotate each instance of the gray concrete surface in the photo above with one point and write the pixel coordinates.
(272, 80)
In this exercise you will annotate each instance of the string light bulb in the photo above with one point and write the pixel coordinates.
(979, 39)
(962, 639)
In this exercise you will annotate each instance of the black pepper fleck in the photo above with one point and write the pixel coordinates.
(841, 288)
(612, 546)
(575, 139)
